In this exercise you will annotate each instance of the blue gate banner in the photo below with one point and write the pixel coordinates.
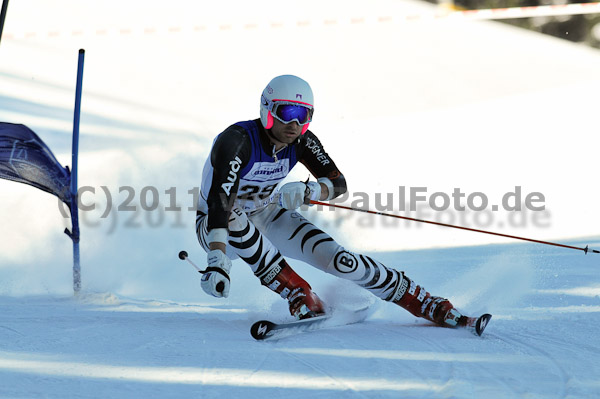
(25, 158)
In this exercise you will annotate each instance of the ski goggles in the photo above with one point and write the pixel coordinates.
(287, 112)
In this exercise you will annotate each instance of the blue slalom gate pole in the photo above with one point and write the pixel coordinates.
(74, 209)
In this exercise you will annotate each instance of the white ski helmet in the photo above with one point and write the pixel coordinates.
(287, 89)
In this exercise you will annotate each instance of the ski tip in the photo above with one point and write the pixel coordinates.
(482, 323)
(260, 330)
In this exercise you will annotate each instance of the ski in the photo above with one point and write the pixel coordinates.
(267, 330)
(478, 324)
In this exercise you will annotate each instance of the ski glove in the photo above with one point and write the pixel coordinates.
(215, 280)
(293, 195)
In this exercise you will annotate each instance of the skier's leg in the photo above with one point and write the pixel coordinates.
(248, 243)
(297, 238)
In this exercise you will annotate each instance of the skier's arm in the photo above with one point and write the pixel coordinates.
(229, 154)
(312, 155)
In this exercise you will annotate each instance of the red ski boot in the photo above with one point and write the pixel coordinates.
(304, 303)
(420, 303)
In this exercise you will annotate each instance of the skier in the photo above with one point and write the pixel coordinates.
(241, 214)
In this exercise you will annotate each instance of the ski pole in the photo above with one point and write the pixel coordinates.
(585, 250)
(183, 255)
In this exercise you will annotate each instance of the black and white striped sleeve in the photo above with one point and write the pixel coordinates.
(230, 153)
(312, 155)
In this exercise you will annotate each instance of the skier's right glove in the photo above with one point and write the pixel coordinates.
(295, 194)
(215, 280)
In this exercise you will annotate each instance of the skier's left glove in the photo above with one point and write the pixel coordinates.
(216, 280)
(293, 195)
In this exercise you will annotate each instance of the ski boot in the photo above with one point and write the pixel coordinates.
(420, 303)
(303, 302)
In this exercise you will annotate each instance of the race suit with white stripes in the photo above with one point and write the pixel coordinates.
(239, 183)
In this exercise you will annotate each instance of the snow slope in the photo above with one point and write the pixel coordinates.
(541, 342)
(421, 99)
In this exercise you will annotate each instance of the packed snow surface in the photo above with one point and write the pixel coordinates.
(541, 343)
